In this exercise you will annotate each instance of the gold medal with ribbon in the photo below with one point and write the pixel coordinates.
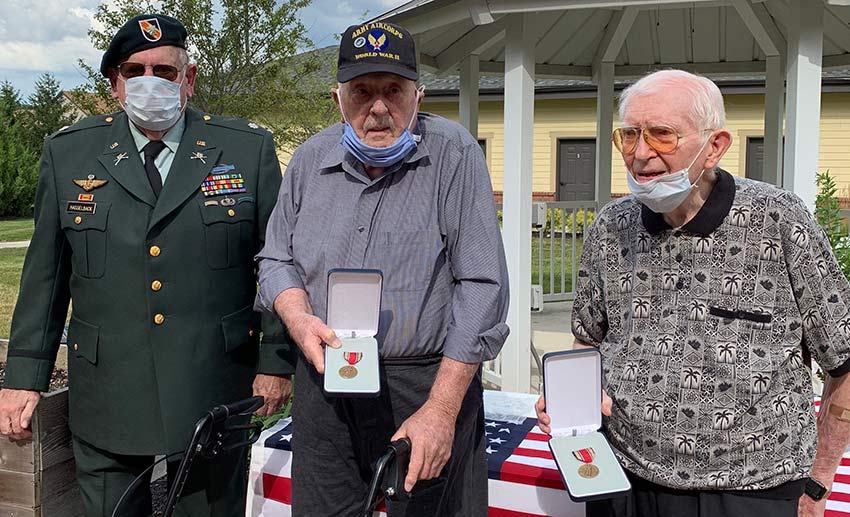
(588, 469)
(349, 371)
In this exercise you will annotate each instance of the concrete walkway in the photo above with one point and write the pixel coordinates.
(550, 332)
(15, 244)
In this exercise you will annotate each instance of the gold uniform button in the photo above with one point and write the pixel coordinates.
(155, 251)
(156, 285)
(76, 347)
(109, 119)
(231, 212)
(159, 319)
(78, 220)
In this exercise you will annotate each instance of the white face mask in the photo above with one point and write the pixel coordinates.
(665, 193)
(152, 102)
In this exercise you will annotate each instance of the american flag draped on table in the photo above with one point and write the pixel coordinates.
(524, 481)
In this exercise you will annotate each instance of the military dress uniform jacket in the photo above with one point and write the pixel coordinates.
(162, 327)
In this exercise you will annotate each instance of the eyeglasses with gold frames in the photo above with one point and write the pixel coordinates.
(664, 139)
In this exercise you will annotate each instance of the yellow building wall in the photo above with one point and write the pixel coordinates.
(576, 118)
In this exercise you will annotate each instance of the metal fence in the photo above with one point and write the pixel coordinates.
(557, 247)
(557, 235)
(844, 213)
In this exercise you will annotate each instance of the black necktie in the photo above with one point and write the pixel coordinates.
(152, 150)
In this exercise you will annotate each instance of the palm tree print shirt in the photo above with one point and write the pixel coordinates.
(705, 333)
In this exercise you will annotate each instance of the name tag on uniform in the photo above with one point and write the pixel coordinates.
(78, 207)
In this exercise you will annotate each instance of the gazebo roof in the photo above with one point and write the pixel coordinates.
(449, 84)
(712, 37)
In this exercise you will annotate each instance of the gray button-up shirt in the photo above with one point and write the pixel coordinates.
(428, 223)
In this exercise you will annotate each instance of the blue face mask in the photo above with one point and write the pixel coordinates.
(382, 157)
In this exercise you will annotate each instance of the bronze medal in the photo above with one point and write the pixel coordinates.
(588, 471)
(348, 372)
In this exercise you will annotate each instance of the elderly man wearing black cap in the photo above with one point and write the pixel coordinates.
(411, 196)
(148, 219)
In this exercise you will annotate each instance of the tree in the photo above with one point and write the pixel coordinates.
(249, 65)
(18, 163)
(46, 112)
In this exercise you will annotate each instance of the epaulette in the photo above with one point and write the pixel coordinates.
(237, 123)
(86, 123)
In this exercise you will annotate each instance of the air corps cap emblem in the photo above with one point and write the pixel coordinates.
(378, 40)
(150, 29)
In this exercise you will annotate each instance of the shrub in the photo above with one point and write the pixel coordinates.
(555, 220)
(557, 226)
(828, 215)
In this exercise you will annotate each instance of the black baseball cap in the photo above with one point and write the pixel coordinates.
(376, 47)
(141, 33)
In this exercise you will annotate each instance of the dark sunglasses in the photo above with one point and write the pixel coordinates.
(128, 70)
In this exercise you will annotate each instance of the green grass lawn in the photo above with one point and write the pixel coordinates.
(11, 262)
(16, 229)
(555, 249)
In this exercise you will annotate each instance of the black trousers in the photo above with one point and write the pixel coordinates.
(337, 440)
(214, 489)
(650, 500)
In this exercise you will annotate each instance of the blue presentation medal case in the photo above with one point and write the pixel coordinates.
(354, 307)
(572, 384)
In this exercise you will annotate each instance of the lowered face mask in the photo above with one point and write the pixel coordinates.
(382, 157)
(665, 193)
(152, 102)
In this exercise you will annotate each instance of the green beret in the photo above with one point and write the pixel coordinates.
(141, 33)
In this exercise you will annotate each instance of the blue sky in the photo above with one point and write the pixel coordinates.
(38, 36)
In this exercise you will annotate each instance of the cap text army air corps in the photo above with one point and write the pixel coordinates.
(376, 47)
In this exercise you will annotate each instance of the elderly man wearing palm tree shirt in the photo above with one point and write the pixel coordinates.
(707, 296)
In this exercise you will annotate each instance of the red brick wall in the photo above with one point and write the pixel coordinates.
(550, 196)
(536, 196)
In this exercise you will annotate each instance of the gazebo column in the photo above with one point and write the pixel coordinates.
(469, 94)
(517, 188)
(603, 75)
(774, 111)
(802, 111)
(604, 128)
(771, 42)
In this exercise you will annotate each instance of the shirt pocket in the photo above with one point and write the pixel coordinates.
(745, 354)
(407, 259)
(756, 317)
(86, 233)
(228, 234)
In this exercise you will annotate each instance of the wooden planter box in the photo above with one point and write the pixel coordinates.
(37, 477)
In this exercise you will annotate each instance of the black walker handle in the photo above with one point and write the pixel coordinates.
(394, 462)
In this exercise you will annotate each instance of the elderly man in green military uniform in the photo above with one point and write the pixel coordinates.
(148, 219)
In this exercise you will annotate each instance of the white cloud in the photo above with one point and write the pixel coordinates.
(43, 21)
(51, 56)
(326, 18)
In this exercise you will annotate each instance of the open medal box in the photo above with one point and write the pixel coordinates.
(572, 384)
(354, 307)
